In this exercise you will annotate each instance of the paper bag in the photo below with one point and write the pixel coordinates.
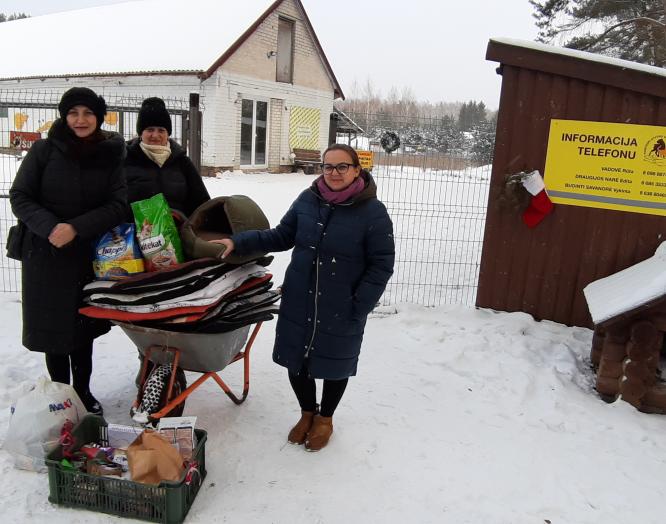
(152, 459)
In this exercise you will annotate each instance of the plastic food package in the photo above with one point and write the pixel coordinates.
(117, 254)
(157, 233)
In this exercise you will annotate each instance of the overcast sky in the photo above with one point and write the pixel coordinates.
(435, 47)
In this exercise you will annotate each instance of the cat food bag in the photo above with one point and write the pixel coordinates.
(157, 233)
(117, 254)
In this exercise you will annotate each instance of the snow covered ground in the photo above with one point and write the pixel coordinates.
(457, 416)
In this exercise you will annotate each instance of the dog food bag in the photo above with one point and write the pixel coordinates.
(117, 254)
(157, 233)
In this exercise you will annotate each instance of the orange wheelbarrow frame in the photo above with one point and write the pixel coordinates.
(173, 402)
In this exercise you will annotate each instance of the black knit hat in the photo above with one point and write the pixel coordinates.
(153, 113)
(84, 97)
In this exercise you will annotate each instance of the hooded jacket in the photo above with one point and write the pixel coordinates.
(63, 179)
(177, 179)
(342, 259)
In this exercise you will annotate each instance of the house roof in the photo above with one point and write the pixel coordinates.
(142, 37)
(638, 287)
(345, 123)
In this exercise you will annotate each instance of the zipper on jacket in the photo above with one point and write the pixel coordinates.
(324, 225)
(316, 304)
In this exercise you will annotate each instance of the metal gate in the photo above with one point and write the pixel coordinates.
(436, 192)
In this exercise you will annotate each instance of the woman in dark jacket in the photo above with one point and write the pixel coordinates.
(69, 190)
(157, 164)
(342, 260)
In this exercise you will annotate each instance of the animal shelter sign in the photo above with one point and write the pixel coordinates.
(607, 166)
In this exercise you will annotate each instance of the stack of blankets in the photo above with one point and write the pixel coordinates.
(200, 296)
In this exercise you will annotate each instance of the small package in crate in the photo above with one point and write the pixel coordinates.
(168, 502)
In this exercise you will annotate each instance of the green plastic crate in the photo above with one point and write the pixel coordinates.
(168, 502)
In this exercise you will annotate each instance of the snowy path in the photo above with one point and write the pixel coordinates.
(457, 415)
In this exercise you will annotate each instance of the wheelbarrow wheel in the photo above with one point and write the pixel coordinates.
(155, 393)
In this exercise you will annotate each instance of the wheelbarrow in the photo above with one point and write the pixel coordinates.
(206, 353)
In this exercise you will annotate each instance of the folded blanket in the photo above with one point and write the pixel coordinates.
(204, 287)
(164, 311)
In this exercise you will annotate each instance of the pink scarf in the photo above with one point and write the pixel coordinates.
(338, 197)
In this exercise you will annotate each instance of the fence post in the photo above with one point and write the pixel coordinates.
(184, 129)
(333, 129)
(121, 123)
(194, 131)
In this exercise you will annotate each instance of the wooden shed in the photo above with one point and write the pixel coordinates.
(542, 271)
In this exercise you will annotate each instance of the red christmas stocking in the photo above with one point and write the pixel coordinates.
(539, 207)
(540, 204)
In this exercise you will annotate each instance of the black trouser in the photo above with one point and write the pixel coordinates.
(80, 362)
(306, 392)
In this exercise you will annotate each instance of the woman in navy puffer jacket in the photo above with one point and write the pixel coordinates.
(342, 260)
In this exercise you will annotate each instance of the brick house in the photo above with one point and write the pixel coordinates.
(265, 84)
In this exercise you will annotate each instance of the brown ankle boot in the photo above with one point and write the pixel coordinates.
(320, 432)
(300, 430)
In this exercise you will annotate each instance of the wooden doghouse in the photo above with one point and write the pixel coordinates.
(629, 312)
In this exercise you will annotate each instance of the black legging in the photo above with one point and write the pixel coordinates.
(80, 362)
(306, 392)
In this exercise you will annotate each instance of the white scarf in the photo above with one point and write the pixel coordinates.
(158, 154)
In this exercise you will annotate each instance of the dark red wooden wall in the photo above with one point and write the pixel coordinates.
(542, 271)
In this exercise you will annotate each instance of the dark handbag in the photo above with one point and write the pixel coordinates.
(15, 238)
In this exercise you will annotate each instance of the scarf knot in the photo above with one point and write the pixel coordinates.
(339, 197)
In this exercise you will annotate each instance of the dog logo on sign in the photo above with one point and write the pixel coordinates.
(655, 150)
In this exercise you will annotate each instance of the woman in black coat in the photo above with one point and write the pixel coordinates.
(69, 190)
(341, 262)
(156, 164)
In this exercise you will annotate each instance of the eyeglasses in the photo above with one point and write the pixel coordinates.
(341, 168)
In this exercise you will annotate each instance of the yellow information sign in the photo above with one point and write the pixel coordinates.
(608, 166)
(366, 158)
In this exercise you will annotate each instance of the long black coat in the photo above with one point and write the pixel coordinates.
(177, 179)
(342, 260)
(59, 181)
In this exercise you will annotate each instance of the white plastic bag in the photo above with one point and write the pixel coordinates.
(36, 420)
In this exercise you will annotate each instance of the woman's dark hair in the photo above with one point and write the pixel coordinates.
(347, 149)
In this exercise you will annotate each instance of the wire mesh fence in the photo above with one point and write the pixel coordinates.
(436, 191)
(26, 115)
(433, 184)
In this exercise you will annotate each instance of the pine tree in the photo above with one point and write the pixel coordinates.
(483, 145)
(471, 114)
(629, 29)
(13, 16)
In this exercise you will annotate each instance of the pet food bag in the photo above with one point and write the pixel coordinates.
(157, 233)
(117, 254)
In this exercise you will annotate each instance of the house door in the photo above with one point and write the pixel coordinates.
(254, 127)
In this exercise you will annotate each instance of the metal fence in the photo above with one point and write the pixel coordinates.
(433, 185)
(436, 193)
(26, 115)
